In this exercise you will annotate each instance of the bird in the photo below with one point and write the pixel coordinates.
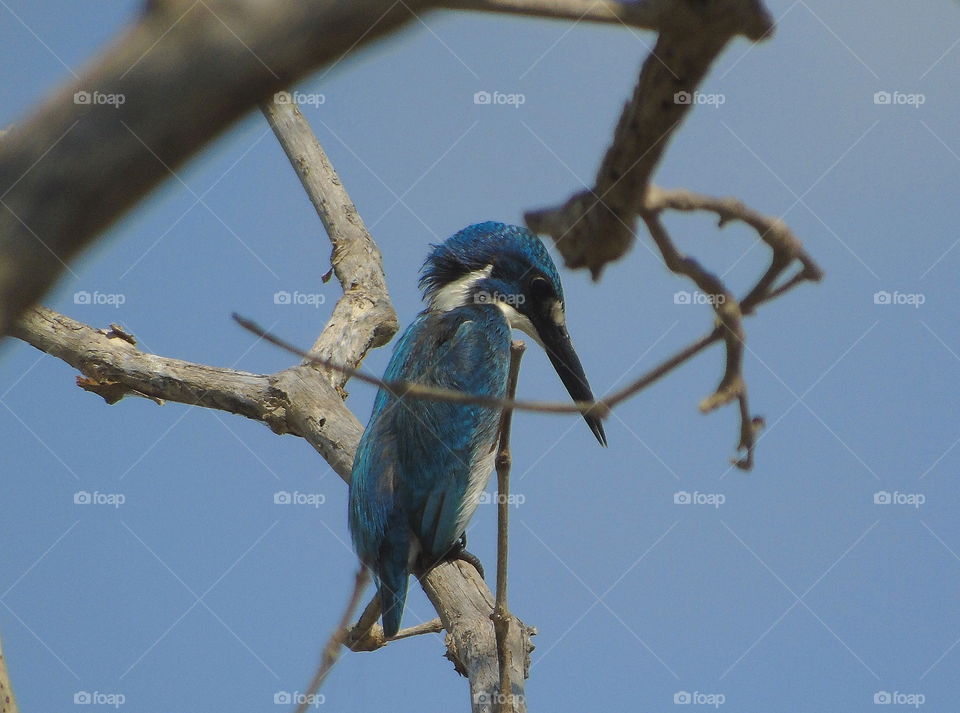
(422, 465)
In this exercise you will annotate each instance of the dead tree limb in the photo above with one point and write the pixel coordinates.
(511, 695)
(596, 226)
(8, 702)
(101, 142)
(364, 317)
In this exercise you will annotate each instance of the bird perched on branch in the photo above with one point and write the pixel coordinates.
(422, 465)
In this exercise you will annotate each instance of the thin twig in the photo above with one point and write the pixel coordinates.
(402, 389)
(331, 652)
(365, 635)
(434, 626)
(501, 613)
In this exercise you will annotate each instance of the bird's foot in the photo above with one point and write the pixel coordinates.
(459, 552)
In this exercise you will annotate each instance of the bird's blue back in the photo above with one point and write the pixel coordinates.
(421, 464)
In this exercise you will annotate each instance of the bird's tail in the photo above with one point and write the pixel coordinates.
(392, 579)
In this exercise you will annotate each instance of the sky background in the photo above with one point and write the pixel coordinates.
(798, 593)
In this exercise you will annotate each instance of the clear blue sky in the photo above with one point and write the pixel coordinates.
(797, 593)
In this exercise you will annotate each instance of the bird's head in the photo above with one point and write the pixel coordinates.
(508, 266)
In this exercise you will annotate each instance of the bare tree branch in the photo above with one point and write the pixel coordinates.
(95, 148)
(474, 655)
(364, 317)
(215, 60)
(595, 227)
(367, 635)
(299, 401)
(510, 697)
(784, 245)
(785, 249)
(221, 57)
(8, 702)
(643, 14)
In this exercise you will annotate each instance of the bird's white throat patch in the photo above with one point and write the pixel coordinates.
(519, 321)
(457, 293)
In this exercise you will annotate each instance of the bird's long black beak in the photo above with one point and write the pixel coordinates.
(559, 347)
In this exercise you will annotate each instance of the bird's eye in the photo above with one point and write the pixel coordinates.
(540, 287)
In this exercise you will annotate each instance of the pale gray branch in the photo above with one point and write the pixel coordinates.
(185, 71)
(475, 655)
(595, 227)
(364, 317)
(8, 702)
(298, 401)
(510, 697)
(642, 14)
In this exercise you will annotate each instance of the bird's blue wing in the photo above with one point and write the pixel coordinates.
(445, 450)
(418, 454)
(422, 464)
